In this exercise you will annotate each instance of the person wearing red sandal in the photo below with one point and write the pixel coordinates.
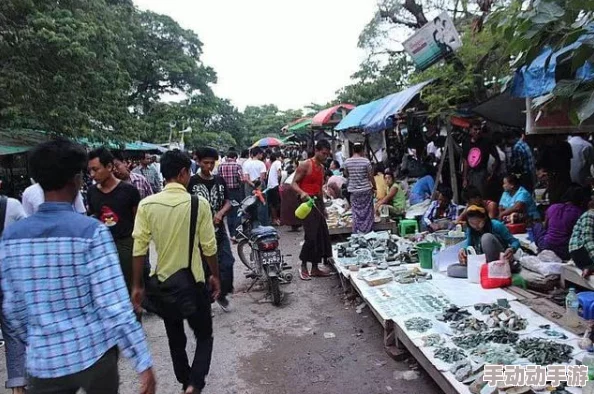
(308, 182)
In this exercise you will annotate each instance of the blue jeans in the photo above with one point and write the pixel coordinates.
(15, 355)
(263, 216)
(232, 219)
(226, 261)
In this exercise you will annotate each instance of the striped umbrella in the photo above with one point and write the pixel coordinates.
(266, 142)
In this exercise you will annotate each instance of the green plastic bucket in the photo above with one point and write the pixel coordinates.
(426, 253)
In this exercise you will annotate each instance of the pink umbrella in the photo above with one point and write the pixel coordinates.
(331, 116)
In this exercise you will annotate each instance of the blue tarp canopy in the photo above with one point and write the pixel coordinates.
(376, 116)
(538, 78)
(358, 117)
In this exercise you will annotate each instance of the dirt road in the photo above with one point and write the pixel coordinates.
(263, 349)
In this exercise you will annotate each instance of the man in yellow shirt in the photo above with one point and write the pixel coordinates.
(164, 218)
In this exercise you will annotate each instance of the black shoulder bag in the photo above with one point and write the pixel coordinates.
(176, 297)
(3, 207)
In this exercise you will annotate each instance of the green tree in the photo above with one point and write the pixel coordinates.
(214, 122)
(59, 65)
(526, 31)
(266, 121)
(374, 81)
(164, 59)
(92, 68)
(466, 77)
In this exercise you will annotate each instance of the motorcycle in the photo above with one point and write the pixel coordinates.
(258, 248)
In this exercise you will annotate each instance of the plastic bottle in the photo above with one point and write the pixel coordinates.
(434, 260)
(304, 209)
(571, 308)
(588, 361)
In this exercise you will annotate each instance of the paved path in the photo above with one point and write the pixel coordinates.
(263, 349)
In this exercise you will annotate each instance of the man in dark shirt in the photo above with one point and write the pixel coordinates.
(555, 160)
(214, 189)
(114, 203)
(476, 154)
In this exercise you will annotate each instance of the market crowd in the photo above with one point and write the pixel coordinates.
(75, 268)
(509, 186)
(76, 275)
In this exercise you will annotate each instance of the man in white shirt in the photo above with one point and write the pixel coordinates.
(13, 212)
(273, 195)
(254, 169)
(582, 159)
(339, 156)
(33, 197)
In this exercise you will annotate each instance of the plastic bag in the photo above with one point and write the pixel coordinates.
(475, 263)
(535, 264)
(548, 256)
(496, 274)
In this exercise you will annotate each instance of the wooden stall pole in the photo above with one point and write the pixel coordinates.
(451, 158)
(438, 178)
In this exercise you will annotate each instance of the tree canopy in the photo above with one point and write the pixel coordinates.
(102, 69)
(498, 37)
(80, 67)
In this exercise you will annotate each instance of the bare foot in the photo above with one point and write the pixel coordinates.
(318, 273)
(587, 272)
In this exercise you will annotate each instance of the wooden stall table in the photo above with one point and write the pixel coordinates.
(400, 344)
(380, 226)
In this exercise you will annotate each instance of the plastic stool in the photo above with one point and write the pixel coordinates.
(586, 301)
(408, 226)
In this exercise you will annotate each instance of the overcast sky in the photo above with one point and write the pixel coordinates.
(288, 53)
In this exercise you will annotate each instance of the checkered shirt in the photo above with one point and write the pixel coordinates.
(143, 186)
(64, 294)
(522, 159)
(151, 175)
(583, 234)
(232, 173)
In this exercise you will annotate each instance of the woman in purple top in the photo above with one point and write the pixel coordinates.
(560, 219)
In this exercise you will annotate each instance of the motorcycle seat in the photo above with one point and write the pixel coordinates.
(263, 230)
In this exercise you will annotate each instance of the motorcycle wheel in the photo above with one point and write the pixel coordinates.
(245, 254)
(275, 291)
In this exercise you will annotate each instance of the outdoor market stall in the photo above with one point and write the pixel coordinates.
(323, 123)
(451, 326)
(15, 143)
(366, 122)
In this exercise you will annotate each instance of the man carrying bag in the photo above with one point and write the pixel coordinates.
(180, 226)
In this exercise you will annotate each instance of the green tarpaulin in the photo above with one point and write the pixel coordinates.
(301, 126)
(20, 140)
(13, 141)
(13, 150)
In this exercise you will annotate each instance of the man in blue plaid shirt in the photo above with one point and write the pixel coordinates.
(521, 161)
(64, 294)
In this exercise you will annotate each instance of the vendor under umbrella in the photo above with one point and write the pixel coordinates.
(487, 236)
